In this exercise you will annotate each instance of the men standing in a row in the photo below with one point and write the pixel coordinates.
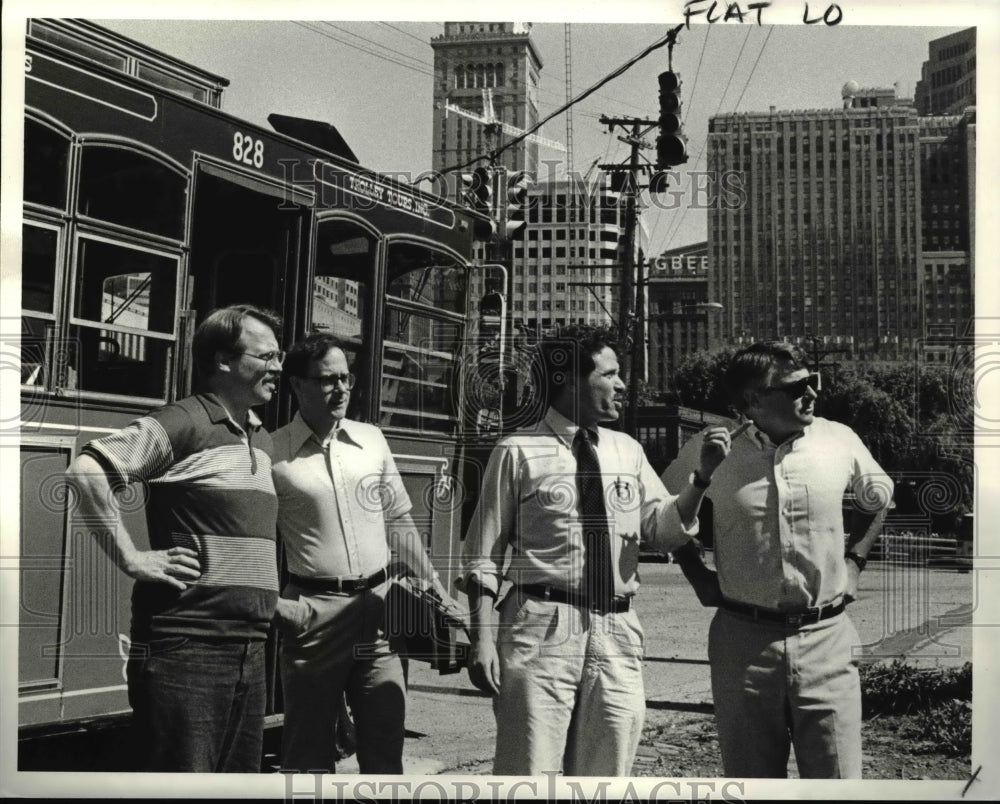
(205, 591)
(561, 511)
(342, 511)
(780, 645)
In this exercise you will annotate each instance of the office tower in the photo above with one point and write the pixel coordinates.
(478, 64)
(827, 240)
(564, 262)
(678, 313)
(948, 77)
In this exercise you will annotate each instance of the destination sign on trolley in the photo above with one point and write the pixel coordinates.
(367, 190)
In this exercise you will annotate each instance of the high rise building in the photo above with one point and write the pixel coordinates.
(677, 321)
(564, 261)
(561, 264)
(948, 77)
(829, 241)
(478, 64)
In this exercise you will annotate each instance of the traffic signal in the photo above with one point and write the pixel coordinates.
(478, 193)
(512, 204)
(671, 148)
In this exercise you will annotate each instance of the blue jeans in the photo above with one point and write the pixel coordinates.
(198, 705)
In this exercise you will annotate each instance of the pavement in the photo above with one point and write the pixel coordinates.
(922, 615)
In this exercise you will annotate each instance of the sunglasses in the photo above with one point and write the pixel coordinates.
(797, 389)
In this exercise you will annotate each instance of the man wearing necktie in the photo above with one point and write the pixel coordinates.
(561, 512)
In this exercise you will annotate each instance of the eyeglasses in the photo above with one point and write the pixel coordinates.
(797, 389)
(267, 357)
(328, 381)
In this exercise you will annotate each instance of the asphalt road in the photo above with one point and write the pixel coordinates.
(922, 614)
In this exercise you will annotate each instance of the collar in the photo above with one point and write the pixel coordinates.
(763, 440)
(300, 432)
(566, 429)
(217, 413)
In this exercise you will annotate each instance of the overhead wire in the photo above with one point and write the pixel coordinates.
(680, 221)
(665, 40)
(420, 61)
(690, 104)
(424, 67)
(342, 41)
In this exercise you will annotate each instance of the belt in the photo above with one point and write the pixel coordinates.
(349, 586)
(792, 619)
(616, 605)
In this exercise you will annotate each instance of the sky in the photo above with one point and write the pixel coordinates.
(373, 80)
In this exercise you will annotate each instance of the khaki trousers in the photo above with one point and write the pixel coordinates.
(571, 689)
(776, 687)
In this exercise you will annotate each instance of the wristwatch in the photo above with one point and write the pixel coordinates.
(698, 482)
(858, 559)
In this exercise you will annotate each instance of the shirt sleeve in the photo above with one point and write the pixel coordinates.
(492, 527)
(675, 476)
(140, 451)
(872, 487)
(661, 523)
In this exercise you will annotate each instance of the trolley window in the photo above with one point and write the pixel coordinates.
(39, 271)
(46, 158)
(423, 330)
(123, 324)
(341, 294)
(131, 189)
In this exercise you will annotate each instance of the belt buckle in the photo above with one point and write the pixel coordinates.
(794, 620)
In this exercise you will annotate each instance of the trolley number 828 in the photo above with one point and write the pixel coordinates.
(248, 150)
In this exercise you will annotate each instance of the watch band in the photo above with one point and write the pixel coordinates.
(858, 559)
(698, 481)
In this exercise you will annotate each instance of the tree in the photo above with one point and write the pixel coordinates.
(699, 383)
(908, 415)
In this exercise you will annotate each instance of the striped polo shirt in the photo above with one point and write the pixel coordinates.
(209, 488)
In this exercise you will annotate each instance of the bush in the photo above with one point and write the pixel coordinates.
(899, 688)
(947, 728)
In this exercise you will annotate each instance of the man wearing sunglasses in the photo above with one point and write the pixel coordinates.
(342, 508)
(205, 591)
(780, 646)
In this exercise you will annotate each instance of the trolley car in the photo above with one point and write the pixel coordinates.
(145, 207)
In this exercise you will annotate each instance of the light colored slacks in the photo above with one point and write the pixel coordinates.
(341, 648)
(775, 688)
(571, 689)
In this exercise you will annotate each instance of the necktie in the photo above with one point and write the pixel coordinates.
(599, 585)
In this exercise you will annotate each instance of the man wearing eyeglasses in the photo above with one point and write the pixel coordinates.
(205, 591)
(342, 509)
(780, 645)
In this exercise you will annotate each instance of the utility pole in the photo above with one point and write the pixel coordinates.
(670, 151)
(630, 333)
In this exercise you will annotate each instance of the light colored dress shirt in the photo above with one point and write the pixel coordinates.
(335, 497)
(778, 519)
(529, 503)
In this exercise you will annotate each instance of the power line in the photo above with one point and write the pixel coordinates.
(667, 39)
(379, 44)
(405, 33)
(359, 47)
(697, 73)
(750, 75)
